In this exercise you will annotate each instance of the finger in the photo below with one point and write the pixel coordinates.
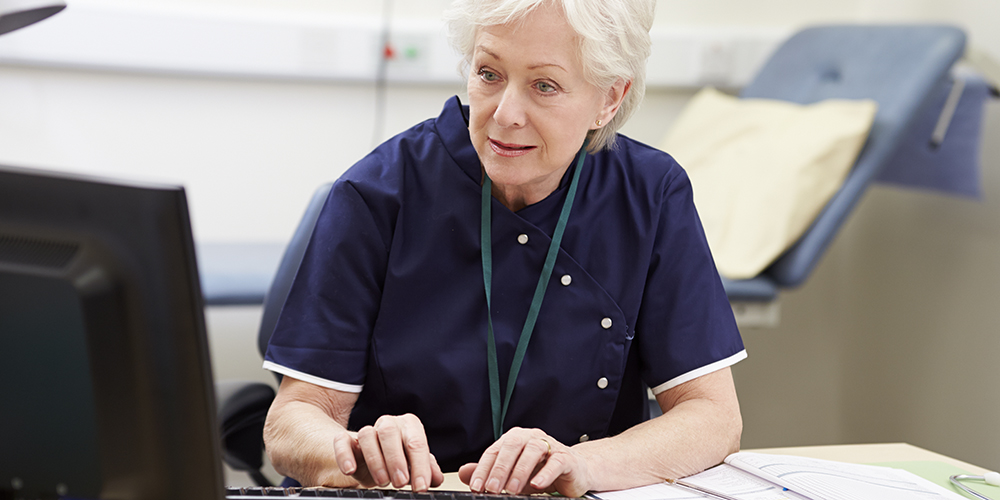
(556, 466)
(343, 450)
(478, 480)
(371, 449)
(390, 438)
(362, 474)
(511, 446)
(417, 451)
(437, 476)
(465, 473)
(528, 489)
(533, 454)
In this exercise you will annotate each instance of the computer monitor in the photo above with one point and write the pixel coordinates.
(105, 380)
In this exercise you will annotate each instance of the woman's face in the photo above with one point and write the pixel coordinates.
(530, 105)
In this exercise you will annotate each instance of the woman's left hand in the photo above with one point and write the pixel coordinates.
(525, 461)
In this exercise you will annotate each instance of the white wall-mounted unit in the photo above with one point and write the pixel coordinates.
(243, 43)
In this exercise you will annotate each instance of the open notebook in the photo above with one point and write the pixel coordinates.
(757, 476)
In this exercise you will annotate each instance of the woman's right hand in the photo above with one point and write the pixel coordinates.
(305, 419)
(394, 450)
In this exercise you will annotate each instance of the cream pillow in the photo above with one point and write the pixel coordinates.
(763, 169)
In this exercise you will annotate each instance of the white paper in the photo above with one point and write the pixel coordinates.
(736, 483)
(828, 480)
(756, 476)
(723, 479)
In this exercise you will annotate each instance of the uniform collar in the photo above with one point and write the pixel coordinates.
(453, 128)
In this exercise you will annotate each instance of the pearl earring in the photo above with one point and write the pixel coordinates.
(598, 123)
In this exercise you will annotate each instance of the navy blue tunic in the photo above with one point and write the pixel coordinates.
(389, 300)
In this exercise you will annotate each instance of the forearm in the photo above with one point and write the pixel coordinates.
(302, 425)
(691, 436)
(299, 438)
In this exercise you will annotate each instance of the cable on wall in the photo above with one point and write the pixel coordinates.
(380, 74)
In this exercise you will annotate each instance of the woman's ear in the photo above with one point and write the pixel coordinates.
(612, 101)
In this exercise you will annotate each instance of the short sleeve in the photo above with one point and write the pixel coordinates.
(324, 329)
(685, 326)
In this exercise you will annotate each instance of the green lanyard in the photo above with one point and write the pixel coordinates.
(536, 301)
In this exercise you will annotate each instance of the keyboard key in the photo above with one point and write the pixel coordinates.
(233, 490)
(372, 494)
(317, 491)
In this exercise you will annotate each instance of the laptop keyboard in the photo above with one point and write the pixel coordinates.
(234, 493)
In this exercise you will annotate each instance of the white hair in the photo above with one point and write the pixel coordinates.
(614, 43)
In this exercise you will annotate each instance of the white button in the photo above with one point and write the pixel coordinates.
(566, 279)
(522, 238)
(584, 438)
(606, 323)
(602, 382)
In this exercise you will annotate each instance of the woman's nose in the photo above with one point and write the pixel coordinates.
(511, 111)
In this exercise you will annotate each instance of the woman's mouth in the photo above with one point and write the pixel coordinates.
(509, 150)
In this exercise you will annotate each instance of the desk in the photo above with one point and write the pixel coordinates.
(852, 453)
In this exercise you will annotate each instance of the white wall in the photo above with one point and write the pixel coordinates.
(894, 338)
(895, 335)
(249, 152)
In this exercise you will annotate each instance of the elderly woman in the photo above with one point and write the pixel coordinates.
(493, 290)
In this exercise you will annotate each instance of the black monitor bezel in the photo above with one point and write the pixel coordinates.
(137, 279)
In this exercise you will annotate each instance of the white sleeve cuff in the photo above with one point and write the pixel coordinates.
(697, 372)
(312, 379)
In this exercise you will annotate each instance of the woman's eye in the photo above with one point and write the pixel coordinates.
(545, 87)
(488, 75)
